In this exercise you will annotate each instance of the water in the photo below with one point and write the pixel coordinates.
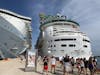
(98, 62)
(98, 59)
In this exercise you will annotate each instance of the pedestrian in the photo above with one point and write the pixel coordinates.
(53, 64)
(94, 65)
(67, 65)
(90, 65)
(72, 63)
(61, 61)
(45, 65)
(82, 66)
(78, 66)
(85, 65)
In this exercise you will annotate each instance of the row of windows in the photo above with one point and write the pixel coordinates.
(68, 39)
(62, 32)
(55, 50)
(70, 45)
(55, 30)
(60, 50)
(85, 46)
(52, 46)
(8, 27)
(86, 40)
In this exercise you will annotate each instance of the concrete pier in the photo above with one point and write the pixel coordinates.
(17, 67)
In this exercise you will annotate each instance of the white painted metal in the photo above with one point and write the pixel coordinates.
(14, 30)
(54, 35)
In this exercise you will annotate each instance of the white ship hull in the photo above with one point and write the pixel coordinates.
(61, 37)
(15, 33)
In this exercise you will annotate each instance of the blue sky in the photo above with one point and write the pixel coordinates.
(85, 12)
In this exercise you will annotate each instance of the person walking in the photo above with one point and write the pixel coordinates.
(91, 66)
(67, 65)
(45, 65)
(86, 65)
(72, 63)
(53, 64)
(61, 61)
(82, 66)
(78, 66)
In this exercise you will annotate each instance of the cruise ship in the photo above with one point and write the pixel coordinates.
(15, 34)
(60, 36)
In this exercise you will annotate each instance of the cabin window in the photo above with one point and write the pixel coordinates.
(69, 39)
(86, 40)
(62, 51)
(57, 39)
(51, 45)
(72, 45)
(54, 45)
(85, 46)
(63, 45)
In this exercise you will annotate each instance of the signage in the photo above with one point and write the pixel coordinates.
(31, 59)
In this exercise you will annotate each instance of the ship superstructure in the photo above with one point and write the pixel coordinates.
(60, 36)
(15, 33)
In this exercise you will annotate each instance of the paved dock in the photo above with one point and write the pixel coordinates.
(17, 67)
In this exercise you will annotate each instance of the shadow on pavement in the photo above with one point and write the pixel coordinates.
(38, 72)
(59, 70)
(22, 69)
(57, 73)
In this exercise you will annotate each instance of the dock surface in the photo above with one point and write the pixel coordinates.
(17, 67)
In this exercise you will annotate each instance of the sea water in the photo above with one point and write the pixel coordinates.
(98, 62)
